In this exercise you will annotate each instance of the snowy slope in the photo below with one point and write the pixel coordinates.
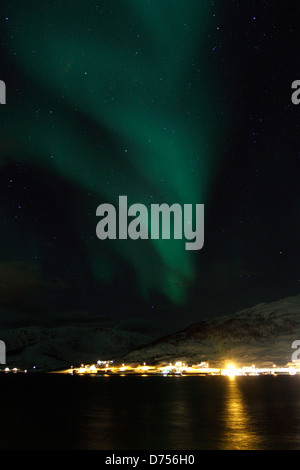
(261, 335)
(55, 348)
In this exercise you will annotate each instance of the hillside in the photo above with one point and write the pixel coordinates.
(261, 335)
(55, 348)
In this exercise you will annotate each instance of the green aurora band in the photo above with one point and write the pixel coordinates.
(117, 98)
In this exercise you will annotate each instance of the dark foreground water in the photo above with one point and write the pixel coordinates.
(165, 413)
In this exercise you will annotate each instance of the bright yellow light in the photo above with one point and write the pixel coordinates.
(231, 370)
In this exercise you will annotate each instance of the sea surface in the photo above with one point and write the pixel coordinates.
(53, 411)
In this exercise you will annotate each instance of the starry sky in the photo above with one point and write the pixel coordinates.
(161, 101)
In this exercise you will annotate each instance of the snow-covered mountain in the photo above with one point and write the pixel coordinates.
(56, 348)
(262, 335)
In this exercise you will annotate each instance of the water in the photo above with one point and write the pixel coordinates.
(151, 413)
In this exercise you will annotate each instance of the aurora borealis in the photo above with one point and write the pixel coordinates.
(164, 102)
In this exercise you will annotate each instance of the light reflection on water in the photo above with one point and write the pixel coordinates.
(200, 413)
(167, 413)
(242, 433)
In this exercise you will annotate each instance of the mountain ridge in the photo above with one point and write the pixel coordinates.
(260, 335)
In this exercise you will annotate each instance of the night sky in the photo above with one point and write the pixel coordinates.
(164, 101)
